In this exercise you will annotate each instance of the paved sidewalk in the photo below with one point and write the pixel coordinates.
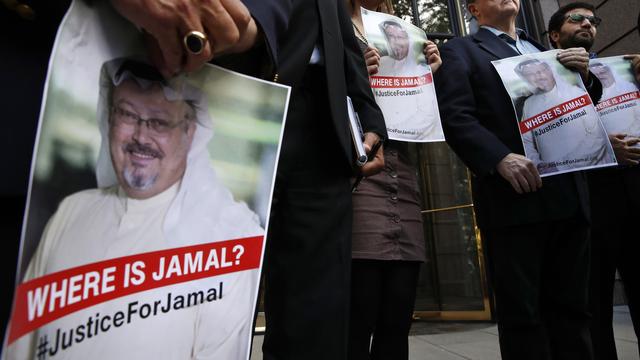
(479, 341)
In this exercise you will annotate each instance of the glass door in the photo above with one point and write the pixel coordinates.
(452, 283)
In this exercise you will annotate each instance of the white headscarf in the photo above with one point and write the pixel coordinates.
(620, 85)
(203, 210)
(560, 83)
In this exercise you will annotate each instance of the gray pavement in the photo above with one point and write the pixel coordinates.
(479, 341)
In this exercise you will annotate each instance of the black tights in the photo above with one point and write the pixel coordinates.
(382, 298)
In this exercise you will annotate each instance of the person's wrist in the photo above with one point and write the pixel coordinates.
(378, 137)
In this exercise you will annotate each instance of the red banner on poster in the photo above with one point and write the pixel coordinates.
(617, 100)
(47, 298)
(554, 113)
(378, 82)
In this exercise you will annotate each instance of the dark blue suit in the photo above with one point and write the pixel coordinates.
(534, 242)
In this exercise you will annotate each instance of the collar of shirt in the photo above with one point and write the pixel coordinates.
(156, 201)
(521, 45)
(550, 96)
(317, 56)
(399, 64)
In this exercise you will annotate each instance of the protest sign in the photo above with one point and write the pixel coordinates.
(148, 203)
(619, 107)
(560, 128)
(403, 86)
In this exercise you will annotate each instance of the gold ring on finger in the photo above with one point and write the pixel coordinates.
(194, 42)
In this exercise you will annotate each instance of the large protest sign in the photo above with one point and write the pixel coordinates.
(148, 203)
(560, 128)
(619, 107)
(403, 86)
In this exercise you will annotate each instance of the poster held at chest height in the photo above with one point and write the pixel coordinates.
(619, 107)
(403, 86)
(559, 125)
(148, 203)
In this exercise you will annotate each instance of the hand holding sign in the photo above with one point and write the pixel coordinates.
(372, 58)
(635, 64)
(401, 80)
(520, 172)
(576, 59)
(623, 147)
(619, 106)
(432, 54)
(559, 126)
(227, 24)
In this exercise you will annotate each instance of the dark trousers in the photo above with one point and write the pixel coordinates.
(539, 274)
(10, 227)
(615, 242)
(308, 251)
(382, 298)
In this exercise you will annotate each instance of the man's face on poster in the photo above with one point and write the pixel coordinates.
(149, 138)
(398, 40)
(603, 73)
(539, 75)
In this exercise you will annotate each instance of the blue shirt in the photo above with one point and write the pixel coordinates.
(520, 45)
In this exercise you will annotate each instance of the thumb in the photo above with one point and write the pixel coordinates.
(632, 141)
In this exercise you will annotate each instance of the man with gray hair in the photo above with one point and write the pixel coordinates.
(156, 190)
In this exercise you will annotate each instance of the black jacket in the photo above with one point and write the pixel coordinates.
(479, 125)
(346, 72)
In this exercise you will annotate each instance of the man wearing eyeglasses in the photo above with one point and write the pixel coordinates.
(573, 25)
(156, 190)
(614, 194)
(533, 229)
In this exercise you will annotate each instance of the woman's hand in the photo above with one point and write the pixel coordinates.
(372, 58)
(432, 54)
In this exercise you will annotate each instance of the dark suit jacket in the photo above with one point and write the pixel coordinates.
(346, 72)
(480, 126)
(272, 17)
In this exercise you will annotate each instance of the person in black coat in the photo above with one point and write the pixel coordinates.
(534, 230)
(615, 198)
(308, 251)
